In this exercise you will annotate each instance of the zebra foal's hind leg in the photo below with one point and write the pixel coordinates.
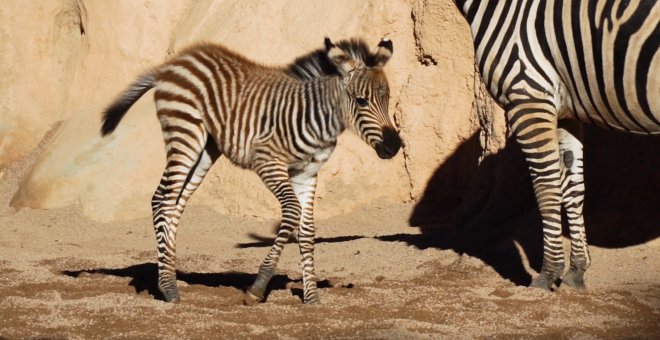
(275, 176)
(570, 149)
(190, 155)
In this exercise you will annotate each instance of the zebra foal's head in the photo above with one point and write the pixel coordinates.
(366, 93)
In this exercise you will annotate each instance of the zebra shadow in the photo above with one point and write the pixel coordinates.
(144, 278)
(489, 211)
(267, 241)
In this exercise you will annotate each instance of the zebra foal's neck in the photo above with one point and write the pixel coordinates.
(318, 112)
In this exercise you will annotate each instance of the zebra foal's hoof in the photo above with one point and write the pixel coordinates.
(171, 295)
(313, 301)
(574, 279)
(311, 297)
(250, 299)
(541, 282)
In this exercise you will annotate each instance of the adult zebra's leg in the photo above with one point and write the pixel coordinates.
(189, 157)
(305, 188)
(534, 125)
(570, 149)
(275, 176)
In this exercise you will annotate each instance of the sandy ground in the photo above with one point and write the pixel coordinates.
(63, 276)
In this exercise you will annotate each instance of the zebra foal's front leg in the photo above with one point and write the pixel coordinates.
(305, 188)
(573, 202)
(275, 176)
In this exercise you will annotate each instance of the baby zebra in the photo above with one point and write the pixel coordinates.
(281, 122)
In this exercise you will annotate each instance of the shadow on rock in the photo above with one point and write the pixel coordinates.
(489, 211)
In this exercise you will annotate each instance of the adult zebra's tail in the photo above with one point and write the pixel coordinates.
(116, 111)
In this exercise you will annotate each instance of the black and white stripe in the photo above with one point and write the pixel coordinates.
(281, 122)
(595, 61)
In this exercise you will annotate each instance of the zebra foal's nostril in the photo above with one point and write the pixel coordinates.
(391, 139)
(390, 145)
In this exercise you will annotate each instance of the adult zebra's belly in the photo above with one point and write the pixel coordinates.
(608, 59)
(619, 108)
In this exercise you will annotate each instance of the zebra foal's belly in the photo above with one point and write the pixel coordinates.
(308, 168)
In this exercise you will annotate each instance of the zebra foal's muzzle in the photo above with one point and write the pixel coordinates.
(390, 145)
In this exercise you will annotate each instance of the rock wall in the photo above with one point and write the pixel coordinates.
(63, 61)
(71, 58)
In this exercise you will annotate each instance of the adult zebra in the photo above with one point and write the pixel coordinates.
(595, 61)
(281, 122)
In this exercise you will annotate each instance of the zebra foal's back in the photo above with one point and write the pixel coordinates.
(202, 89)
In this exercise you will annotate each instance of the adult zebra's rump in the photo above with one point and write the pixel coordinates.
(281, 122)
(595, 61)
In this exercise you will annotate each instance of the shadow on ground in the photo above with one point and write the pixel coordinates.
(267, 241)
(489, 210)
(144, 278)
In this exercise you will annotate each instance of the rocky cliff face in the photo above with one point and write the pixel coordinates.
(63, 60)
(72, 57)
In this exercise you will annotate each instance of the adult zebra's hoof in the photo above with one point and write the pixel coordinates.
(250, 299)
(171, 295)
(574, 279)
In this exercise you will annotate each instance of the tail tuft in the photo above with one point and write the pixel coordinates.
(111, 118)
(113, 114)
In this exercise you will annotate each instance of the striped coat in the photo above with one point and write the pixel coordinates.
(550, 61)
(280, 122)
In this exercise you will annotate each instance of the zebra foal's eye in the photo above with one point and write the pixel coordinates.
(361, 101)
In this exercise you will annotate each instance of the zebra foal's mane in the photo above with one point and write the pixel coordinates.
(316, 64)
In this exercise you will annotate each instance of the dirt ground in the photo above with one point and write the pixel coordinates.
(63, 276)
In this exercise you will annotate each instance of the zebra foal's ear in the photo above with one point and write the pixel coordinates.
(344, 63)
(383, 53)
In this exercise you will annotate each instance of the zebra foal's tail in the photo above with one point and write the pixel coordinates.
(116, 111)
